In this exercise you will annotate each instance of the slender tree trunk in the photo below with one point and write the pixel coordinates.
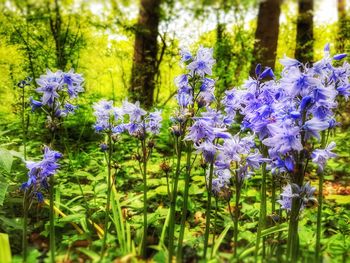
(343, 37)
(266, 34)
(145, 53)
(304, 50)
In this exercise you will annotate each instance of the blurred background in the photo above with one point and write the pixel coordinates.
(132, 47)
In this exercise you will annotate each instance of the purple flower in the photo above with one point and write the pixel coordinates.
(255, 159)
(103, 111)
(339, 56)
(208, 150)
(286, 198)
(184, 99)
(35, 104)
(289, 62)
(154, 122)
(39, 172)
(201, 130)
(134, 111)
(74, 83)
(313, 127)
(202, 63)
(221, 179)
(283, 139)
(321, 156)
(185, 55)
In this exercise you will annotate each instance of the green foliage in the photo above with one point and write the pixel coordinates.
(5, 251)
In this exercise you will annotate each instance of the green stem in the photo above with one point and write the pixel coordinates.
(293, 236)
(109, 170)
(273, 194)
(185, 203)
(173, 200)
(24, 129)
(318, 256)
(52, 220)
(25, 226)
(215, 224)
(237, 214)
(145, 207)
(319, 218)
(207, 221)
(262, 215)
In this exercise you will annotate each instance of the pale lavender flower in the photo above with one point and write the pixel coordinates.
(321, 156)
(134, 111)
(203, 62)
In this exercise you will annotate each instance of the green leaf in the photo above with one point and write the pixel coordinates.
(73, 218)
(3, 190)
(93, 255)
(6, 160)
(221, 238)
(274, 229)
(5, 251)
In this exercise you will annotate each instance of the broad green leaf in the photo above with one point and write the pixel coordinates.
(6, 160)
(5, 251)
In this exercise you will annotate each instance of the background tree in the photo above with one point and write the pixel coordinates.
(266, 34)
(343, 37)
(305, 36)
(144, 66)
(232, 51)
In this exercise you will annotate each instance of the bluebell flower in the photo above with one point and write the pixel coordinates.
(201, 130)
(202, 63)
(289, 62)
(184, 99)
(39, 172)
(221, 180)
(35, 104)
(185, 55)
(49, 90)
(304, 194)
(344, 90)
(103, 112)
(118, 129)
(321, 156)
(339, 56)
(74, 83)
(286, 198)
(283, 139)
(207, 149)
(255, 159)
(69, 108)
(313, 128)
(134, 111)
(154, 120)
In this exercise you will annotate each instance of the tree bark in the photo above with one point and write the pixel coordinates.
(266, 34)
(144, 66)
(343, 37)
(305, 37)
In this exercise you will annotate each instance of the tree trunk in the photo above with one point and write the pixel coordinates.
(145, 53)
(304, 51)
(343, 36)
(266, 34)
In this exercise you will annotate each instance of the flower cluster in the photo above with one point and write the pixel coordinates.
(129, 118)
(39, 173)
(289, 114)
(56, 89)
(304, 195)
(209, 131)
